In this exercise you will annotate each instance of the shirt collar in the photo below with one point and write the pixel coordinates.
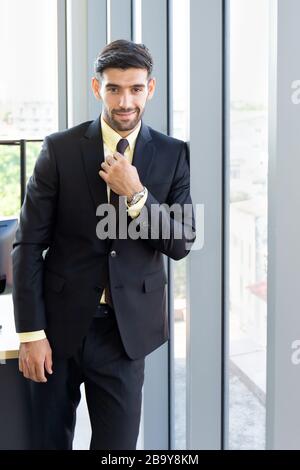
(111, 137)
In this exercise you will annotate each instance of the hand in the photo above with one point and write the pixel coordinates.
(34, 358)
(120, 175)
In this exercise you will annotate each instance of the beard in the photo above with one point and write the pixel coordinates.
(114, 121)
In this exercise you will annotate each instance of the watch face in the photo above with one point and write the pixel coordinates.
(136, 197)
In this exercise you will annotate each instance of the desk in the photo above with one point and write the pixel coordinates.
(14, 396)
(9, 342)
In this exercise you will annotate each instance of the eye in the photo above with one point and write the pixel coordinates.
(137, 90)
(113, 89)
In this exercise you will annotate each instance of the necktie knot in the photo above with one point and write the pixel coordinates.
(122, 146)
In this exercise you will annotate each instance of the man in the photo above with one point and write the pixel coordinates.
(89, 308)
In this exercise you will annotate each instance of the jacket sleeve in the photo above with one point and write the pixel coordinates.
(170, 227)
(33, 236)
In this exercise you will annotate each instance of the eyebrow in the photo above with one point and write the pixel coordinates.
(139, 85)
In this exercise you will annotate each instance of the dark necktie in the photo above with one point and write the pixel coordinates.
(114, 199)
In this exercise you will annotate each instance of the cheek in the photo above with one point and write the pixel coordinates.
(140, 103)
(109, 101)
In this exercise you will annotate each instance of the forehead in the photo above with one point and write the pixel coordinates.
(126, 77)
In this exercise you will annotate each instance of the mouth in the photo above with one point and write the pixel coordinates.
(125, 115)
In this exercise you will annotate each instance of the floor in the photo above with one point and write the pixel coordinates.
(246, 416)
(246, 386)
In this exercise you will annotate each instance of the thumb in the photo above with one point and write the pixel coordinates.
(48, 363)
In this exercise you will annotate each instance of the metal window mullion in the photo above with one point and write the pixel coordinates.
(171, 266)
(283, 299)
(23, 168)
(77, 61)
(205, 266)
(97, 32)
(62, 64)
(120, 19)
(156, 387)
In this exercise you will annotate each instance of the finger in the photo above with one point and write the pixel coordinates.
(110, 160)
(40, 373)
(22, 366)
(25, 371)
(103, 175)
(31, 371)
(48, 363)
(105, 166)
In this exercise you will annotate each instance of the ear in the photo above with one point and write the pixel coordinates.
(96, 86)
(151, 88)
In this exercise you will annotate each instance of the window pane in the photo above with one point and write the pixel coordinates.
(28, 80)
(248, 221)
(180, 104)
(10, 189)
(32, 152)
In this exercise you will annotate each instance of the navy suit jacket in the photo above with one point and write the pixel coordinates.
(61, 267)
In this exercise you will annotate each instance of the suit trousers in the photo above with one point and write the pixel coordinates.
(113, 385)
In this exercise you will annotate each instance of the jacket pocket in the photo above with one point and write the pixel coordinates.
(54, 282)
(155, 281)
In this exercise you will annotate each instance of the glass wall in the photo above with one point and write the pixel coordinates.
(28, 106)
(28, 81)
(10, 188)
(180, 130)
(248, 160)
(28, 88)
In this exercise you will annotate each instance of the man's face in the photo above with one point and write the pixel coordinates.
(124, 94)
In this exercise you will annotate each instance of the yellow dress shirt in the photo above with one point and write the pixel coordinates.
(110, 141)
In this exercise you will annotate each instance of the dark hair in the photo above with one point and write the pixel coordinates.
(123, 54)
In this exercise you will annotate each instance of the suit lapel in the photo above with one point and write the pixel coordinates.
(93, 156)
(143, 153)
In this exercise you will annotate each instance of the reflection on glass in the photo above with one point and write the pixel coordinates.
(248, 222)
(180, 108)
(28, 80)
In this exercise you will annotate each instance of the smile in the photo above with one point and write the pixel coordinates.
(125, 114)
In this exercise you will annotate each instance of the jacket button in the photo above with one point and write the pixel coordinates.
(113, 253)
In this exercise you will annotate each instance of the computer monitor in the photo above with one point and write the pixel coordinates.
(8, 227)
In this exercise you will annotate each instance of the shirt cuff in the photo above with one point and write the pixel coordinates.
(135, 210)
(31, 336)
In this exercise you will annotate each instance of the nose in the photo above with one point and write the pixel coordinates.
(125, 101)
